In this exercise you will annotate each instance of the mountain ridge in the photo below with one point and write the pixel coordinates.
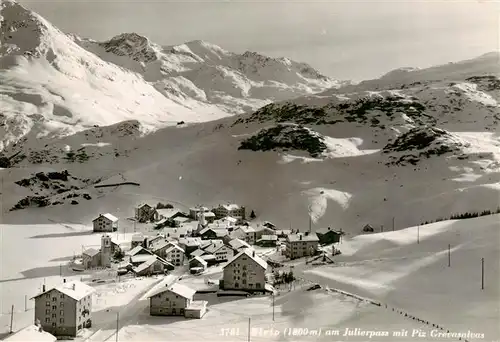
(54, 84)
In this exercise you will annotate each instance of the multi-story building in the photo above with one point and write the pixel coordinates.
(146, 213)
(219, 250)
(65, 309)
(194, 212)
(105, 223)
(246, 233)
(301, 245)
(233, 210)
(246, 271)
(175, 255)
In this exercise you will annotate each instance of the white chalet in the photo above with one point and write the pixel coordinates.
(176, 300)
(105, 223)
(246, 271)
(233, 210)
(246, 233)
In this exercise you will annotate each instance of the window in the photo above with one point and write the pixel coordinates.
(47, 311)
(47, 304)
(244, 281)
(47, 295)
(54, 325)
(61, 312)
(54, 315)
(61, 305)
(54, 299)
(47, 320)
(61, 320)
(62, 296)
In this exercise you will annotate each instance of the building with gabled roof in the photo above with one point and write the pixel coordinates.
(31, 333)
(238, 244)
(176, 300)
(220, 251)
(328, 236)
(66, 309)
(152, 265)
(198, 262)
(246, 233)
(146, 213)
(301, 245)
(190, 244)
(138, 250)
(267, 241)
(105, 223)
(175, 255)
(233, 210)
(245, 272)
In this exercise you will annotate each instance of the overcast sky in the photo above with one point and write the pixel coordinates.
(344, 39)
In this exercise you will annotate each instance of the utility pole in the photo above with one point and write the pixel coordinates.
(393, 218)
(25, 303)
(418, 234)
(117, 324)
(482, 273)
(249, 329)
(11, 318)
(449, 255)
(60, 270)
(273, 306)
(382, 228)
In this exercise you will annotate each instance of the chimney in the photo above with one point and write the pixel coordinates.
(329, 228)
(253, 254)
(300, 236)
(43, 288)
(64, 280)
(307, 233)
(74, 286)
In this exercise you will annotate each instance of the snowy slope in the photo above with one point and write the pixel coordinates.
(50, 85)
(414, 154)
(408, 269)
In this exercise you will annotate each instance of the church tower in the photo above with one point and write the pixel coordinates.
(106, 250)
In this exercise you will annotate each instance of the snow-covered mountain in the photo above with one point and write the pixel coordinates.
(411, 152)
(412, 146)
(53, 84)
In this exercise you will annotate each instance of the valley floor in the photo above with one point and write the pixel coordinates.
(405, 271)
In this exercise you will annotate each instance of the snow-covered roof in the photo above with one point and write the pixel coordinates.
(214, 247)
(199, 209)
(220, 232)
(209, 214)
(138, 237)
(178, 289)
(302, 237)
(198, 252)
(326, 230)
(140, 258)
(74, 289)
(144, 205)
(252, 255)
(237, 244)
(167, 213)
(199, 259)
(247, 229)
(150, 260)
(31, 333)
(190, 241)
(231, 207)
(136, 250)
(174, 246)
(208, 257)
(108, 216)
(160, 244)
(269, 238)
(91, 252)
(181, 219)
(197, 305)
